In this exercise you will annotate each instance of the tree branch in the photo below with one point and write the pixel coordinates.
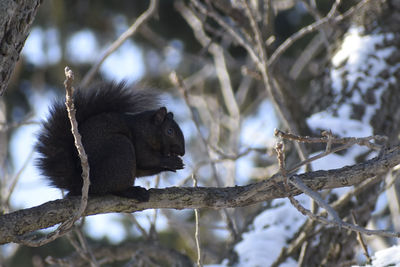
(18, 223)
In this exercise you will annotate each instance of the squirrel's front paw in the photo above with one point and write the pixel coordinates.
(173, 163)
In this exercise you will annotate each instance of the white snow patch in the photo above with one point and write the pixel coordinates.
(386, 257)
(271, 231)
(359, 62)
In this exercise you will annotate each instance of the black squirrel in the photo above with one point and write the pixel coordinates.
(124, 133)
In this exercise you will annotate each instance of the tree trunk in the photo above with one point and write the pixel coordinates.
(16, 18)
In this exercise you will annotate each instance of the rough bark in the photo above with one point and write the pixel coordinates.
(16, 18)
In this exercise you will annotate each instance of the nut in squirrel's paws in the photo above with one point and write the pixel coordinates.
(179, 162)
(173, 163)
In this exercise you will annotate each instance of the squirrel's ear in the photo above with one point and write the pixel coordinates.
(159, 117)
(170, 115)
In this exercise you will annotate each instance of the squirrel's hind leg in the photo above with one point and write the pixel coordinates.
(115, 168)
(112, 165)
(111, 156)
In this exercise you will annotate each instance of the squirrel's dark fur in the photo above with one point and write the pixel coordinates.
(125, 135)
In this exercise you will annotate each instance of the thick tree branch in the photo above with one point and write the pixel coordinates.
(15, 224)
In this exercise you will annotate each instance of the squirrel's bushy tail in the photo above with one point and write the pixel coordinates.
(58, 158)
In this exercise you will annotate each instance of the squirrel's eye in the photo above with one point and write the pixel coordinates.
(170, 131)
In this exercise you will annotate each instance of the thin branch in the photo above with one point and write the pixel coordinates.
(117, 43)
(327, 137)
(16, 178)
(257, 33)
(235, 34)
(361, 240)
(86, 248)
(324, 31)
(82, 250)
(135, 222)
(349, 226)
(294, 180)
(197, 231)
(127, 251)
(316, 197)
(27, 120)
(69, 102)
(219, 61)
(179, 83)
(348, 142)
(271, 84)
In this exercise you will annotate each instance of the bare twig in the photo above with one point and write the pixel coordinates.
(27, 120)
(301, 259)
(342, 224)
(327, 137)
(301, 186)
(271, 84)
(348, 142)
(142, 231)
(257, 33)
(15, 179)
(233, 32)
(328, 29)
(346, 225)
(260, 61)
(178, 82)
(83, 250)
(197, 232)
(86, 248)
(316, 197)
(69, 102)
(329, 143)
(127, 251)
(117, 43)
(361, 240)
(219, 61)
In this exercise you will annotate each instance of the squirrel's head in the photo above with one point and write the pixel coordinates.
(172, 140)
